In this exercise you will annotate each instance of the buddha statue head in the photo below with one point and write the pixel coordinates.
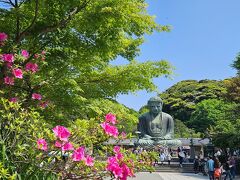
(155, 105)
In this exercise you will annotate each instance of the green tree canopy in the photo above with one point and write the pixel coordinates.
(226, 134)
(182, 131)
(233, 90)
(209, 112)
(228, 129)
(236, 64)
(180, 100)
(81, 39)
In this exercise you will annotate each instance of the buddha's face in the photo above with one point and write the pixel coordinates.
(155, 107)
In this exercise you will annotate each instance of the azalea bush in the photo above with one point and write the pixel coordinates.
(20, 128)
(31, 147)
(5, 174)
(79, 152)
(19, 77)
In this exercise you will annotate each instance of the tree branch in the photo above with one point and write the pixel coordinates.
(17, 20)
(12, 3)
(20, 3)
(61, 24)
(32, 23)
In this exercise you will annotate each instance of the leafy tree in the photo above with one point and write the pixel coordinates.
(81, 39)
(236, 64)
(143, 109)
(99, 107)
(233, 84)
(226, 134)
(180, 100)
(101, 85)
(75, 78)
(209, 112)
(233, 91)
(182, 131)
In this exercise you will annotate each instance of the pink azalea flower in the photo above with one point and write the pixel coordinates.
(126, 172)
(117, 171)
(67, 147)
(116, 149)
(36, 56)
(31, 67)
(9, 80)
(89, 161)
(28, 66)
(8, 57)
(43, 52)
(112, 160)
(36, 96)
(3, 36)
(78, 154)
(110, 130)
(42, 144)
(18, 73)
(119, 156)
(9, 64)
(61, 132)
(25, 53)
(34, 67)
(118, 168)
(64, 146)
(111, 118)
(58, 144)
(114, 167)
(14, 99)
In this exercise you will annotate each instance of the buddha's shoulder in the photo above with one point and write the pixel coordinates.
(166, 115)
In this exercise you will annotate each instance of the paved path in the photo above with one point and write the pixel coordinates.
(168, 176)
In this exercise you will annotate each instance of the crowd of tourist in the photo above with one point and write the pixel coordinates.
(218, 167)
(221, 170)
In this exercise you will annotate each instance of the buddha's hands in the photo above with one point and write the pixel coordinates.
(167, 136)
(147, 136)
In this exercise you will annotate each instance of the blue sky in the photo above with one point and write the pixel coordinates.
(203, 42)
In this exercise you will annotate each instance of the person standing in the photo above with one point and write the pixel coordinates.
(232, 166)
(181, 156)
(227, 170)
(217, 173)
(162, 157)
(196, 164)
(169, 158)
(217, 169)
(210, 168)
